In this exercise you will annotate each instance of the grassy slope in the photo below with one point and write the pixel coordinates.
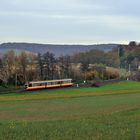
(116, 116)
(119, 88)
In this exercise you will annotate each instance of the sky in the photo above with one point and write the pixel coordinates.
(69, 21)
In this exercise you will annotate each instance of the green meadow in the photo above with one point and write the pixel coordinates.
(110, 112)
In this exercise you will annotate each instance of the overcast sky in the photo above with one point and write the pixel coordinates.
(69, 21)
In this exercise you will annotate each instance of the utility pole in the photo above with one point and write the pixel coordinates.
(119, 57)
(129, 69)
(16, 80)
(129, 72)
(15, 73)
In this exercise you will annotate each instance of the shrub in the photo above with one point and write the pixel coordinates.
(90, 75)
(112, 74)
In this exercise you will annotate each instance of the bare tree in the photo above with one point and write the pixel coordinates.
(64, 66)
(4, 75)
(49, 64)
(23, 63)
(40, 65)
(9, 60)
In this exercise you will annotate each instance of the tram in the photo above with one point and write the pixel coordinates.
(34, 85)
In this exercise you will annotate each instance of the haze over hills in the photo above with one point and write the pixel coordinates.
(58, 50)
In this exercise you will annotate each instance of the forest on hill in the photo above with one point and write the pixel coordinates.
(57, 50)
(90, 65)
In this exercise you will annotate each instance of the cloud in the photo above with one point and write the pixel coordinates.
(69, 20)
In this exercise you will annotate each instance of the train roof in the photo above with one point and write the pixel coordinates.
(33, 82)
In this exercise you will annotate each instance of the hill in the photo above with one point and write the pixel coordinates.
(58, 50)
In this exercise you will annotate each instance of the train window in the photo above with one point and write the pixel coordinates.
(53, 83)
(41, 84)
(59, 82)
(48, 83)
(65, 82)
(37, 84)
(34, 85)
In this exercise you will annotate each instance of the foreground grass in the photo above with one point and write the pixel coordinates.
(114, 115)
(115, 127)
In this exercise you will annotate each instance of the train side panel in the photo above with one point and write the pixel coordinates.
(36, 86)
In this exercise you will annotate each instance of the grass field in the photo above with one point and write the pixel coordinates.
(111, 112)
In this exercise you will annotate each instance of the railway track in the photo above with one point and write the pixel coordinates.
(9, 91)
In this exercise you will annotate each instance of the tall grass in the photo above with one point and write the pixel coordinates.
(114, 127)
(72, 114)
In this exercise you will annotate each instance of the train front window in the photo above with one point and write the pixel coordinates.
(30, 85)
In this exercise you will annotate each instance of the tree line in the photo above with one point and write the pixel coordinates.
(18, 69)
